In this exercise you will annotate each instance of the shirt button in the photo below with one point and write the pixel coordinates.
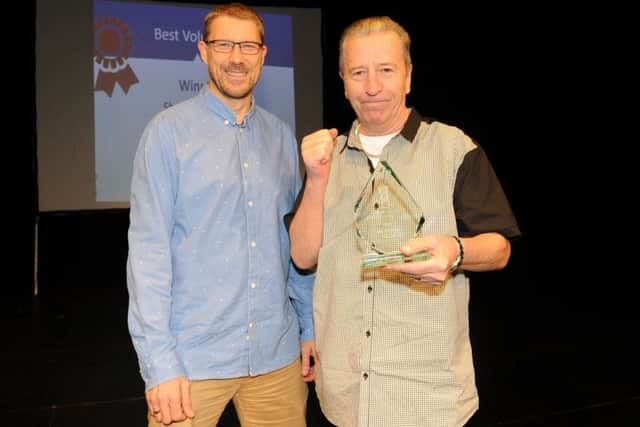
(365, 375)
(253, 285)
(246, 165)
(253, 244)
(250, 324)
(248, 338)
(226, 122)
(368, 334)
(369, 288)
(250, 203)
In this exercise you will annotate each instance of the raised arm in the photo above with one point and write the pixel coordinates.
(306, 226)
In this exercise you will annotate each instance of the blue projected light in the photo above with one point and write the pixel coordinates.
(145, 59)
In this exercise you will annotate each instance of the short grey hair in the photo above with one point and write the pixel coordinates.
(376, 24)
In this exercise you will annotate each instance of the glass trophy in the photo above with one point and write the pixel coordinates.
(386, 216)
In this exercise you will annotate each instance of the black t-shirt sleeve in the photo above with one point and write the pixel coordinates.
(479, 200)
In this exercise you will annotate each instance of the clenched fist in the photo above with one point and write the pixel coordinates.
(316, 151)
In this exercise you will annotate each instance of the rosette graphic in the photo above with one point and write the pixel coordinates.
(112, 45)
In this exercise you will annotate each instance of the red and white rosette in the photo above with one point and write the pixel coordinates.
(112, 45)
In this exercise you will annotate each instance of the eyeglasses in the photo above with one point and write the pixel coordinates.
(226, 46)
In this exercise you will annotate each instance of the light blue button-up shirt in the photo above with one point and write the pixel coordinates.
(213, 293)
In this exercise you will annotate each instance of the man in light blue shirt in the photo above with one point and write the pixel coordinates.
(217, 312)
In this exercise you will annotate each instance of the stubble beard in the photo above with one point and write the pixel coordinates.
(233, 95)
(229, 90)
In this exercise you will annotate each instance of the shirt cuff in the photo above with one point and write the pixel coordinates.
(161, 369)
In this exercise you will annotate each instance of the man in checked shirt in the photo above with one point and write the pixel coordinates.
(393, 342)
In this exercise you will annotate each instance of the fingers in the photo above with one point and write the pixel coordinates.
(314, 362)
(175, 409)
(425, 243)
(162, 411)
(165, 401)
(311, 372)
(316, 148)
(305, 364)
(187, 407)
(328, 147)
(153, 404)
(308, 358)
(432, 272)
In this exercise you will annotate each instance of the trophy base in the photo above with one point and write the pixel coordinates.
(377, 260)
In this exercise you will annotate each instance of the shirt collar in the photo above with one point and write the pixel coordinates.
(220, 108)
(409, 131)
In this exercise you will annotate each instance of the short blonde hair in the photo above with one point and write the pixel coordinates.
(376, 24)
(234, 10)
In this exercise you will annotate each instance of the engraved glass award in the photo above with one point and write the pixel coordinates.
(386, 216)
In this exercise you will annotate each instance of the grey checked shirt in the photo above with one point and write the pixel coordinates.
(394, 352)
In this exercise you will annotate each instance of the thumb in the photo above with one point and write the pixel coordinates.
(412, 246)
(407, 249)
(424, 243)
(333, 132)
(186, 398)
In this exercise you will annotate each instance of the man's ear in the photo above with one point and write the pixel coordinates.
(202, 50)
(346, 95)
(408, 82)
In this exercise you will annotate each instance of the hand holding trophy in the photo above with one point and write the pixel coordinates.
(386, 216)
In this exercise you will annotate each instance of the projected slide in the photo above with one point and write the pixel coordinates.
(146, 59)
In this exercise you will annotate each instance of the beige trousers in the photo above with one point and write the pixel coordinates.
(276, 399)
